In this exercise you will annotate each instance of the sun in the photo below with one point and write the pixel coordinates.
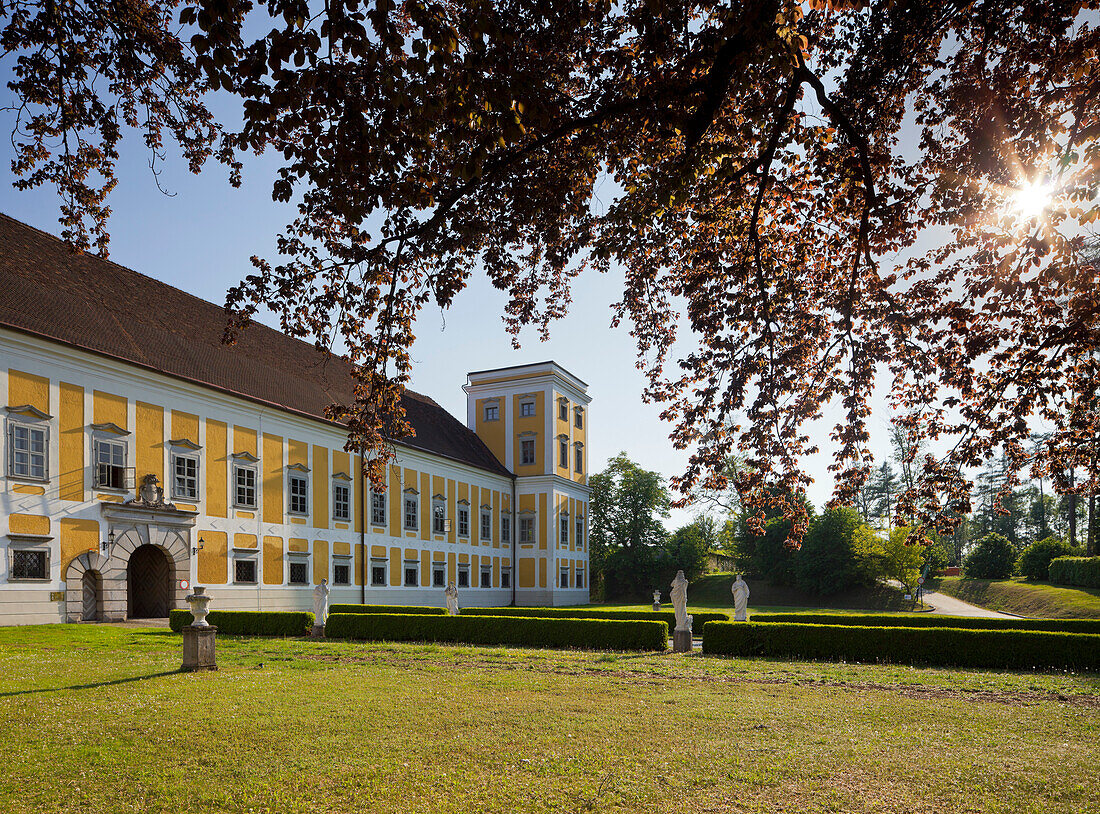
(1032, 199)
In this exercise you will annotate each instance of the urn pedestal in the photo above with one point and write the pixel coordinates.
(198, 648)
(681, 639)
(656, 606)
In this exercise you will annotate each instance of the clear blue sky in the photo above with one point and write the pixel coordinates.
(201, 237)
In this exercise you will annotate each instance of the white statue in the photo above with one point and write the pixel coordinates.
(740, 591)
(320, 604)
(679, 596)
(451, 595)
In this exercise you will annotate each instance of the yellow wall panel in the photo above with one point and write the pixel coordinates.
(321, 487)
(425, 569)
(185, 425)
(244, 440)
(149, 441)
(496, 572)
(320, 561)
(29, 524)
(297, 452)
(341, 462)
(395, 566)
(542, 573)
(542, 520)
(70, 425)
(358, 511)
(452, 510)
(108, 408)
(358, 567)
(378, 551)
(273, 560)
(26, 388)
(452, 568)
(216, 465)
(526, 572)
(298, 544)
(492, 432)
(273, 480)
(244, 541)
(28, 489)
(425, 506)
(341, 548)
(528, 424)
(214, 556)
(395, 501)
(77, 536)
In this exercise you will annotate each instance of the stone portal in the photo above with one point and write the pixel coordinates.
(148, 583)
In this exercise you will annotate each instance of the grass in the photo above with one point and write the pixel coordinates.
(1019, 596)
(95, 719)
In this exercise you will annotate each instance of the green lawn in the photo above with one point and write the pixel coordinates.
(1019, 596)
(95, 719)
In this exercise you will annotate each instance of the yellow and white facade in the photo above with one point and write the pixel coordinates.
(261, 501)
(534, 418)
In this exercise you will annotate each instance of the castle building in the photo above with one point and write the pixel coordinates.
(141, 456)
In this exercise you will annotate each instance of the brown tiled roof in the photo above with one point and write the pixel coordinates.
(102, 307)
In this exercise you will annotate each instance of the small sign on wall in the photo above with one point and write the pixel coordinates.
(184, 584)
(57, 596)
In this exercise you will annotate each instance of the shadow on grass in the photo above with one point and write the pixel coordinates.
(92, 686)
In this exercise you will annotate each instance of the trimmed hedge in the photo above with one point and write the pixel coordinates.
(588, 634)
(416, 610)
(668, 617)
(929, 620)
(939, 646)
(249, 623)
(1081, 572)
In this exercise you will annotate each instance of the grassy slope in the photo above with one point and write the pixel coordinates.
(95, 719)
(712, 592)
(1038, 599)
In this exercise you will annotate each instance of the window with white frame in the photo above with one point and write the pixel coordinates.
(492, 412)
(463, 576)
(412, 511)
(563, 453)
(578, 418)
(563, 410)
(579, 453)
(505, 529)
(527, 529)
(439, 516)
(564, 578)
(439, 576)
(341, 573)
(299, 493)
(110, 464)
(412, 574)
(486, 532)
(486, 576)
(244, 572)
(463, 521)
(28, 449)
(378, 508)
(244, 486)
(505, 578)
(299, 573)
(28, 563)
(377, 573)
(563, 529)
(341, 500)
(527, 451)
(185, 475)
(526, 408)
(578, 538)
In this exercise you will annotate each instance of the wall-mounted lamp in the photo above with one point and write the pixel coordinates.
(195, 549)
(106, 545)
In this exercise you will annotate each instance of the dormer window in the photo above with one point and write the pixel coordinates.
(28, 443)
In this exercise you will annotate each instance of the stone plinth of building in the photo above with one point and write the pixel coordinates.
(198, 648)
(681, 641)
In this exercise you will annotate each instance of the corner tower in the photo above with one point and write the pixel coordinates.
(534, 418)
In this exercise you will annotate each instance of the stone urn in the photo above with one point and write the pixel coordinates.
(198, 602)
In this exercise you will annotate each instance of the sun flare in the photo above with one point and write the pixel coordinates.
(1031, 199)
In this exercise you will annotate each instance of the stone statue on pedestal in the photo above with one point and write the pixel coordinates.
(320, 607)
(451, 596)
(740, 591)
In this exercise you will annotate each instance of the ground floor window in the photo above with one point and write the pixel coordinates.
(30, 563)
(505, 578)
(341, 574)
(244, 572)
(412, 576)
(565, 578)
(463, 577)
(438, 577)
(299, 573)
(486, 577)
(378, 573)
(580, 577)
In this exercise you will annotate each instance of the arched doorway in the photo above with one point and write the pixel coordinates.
(92, 586)
(148, 583)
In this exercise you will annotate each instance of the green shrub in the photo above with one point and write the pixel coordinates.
(417, 610)
(933, 620)
(1034, 563)
(668, 617)
(249, 623)
(992, 558)
(1082, 572)
(940, 646)
(588, 634)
